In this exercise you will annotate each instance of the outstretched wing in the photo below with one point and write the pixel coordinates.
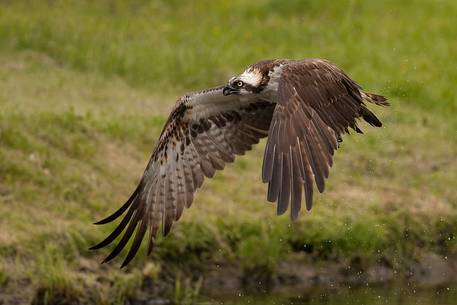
(203, 133)
(317, 103)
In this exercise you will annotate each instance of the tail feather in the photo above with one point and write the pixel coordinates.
(375, 99)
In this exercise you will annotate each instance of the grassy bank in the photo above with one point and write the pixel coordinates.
(85, 89)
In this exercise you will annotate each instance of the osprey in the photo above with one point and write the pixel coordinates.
(302, 106)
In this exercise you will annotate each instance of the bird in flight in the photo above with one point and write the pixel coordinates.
(302, 106)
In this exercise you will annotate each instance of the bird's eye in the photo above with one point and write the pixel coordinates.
(239, 84)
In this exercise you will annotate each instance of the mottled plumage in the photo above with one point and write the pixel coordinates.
(303, 107)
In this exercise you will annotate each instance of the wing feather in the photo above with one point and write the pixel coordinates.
(296, 191)
(191, 146)
(181, 189)
(317, 103)
(284, 188)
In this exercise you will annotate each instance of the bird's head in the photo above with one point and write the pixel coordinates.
(251, 81)
(261, 77)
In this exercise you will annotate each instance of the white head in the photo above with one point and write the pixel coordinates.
(255, 79)
(249, 82)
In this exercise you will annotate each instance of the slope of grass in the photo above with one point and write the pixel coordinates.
(85, 89)
(404, 48)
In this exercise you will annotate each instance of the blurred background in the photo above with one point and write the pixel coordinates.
(86, 86)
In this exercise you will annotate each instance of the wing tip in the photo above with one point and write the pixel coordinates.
(102, 222)
(106, 259)
(122, 209)
(280, 211)
(294, 216)
(126, 261)
(95, 247)
(320, 187)
(370, 117)
(167, 229)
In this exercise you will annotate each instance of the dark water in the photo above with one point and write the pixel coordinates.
(395, 295)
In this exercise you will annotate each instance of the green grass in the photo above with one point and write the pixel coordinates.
(406, 49)
(85, 89)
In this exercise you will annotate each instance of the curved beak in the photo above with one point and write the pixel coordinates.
(229, 90)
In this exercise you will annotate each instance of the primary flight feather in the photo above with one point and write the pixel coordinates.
(302, 106)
